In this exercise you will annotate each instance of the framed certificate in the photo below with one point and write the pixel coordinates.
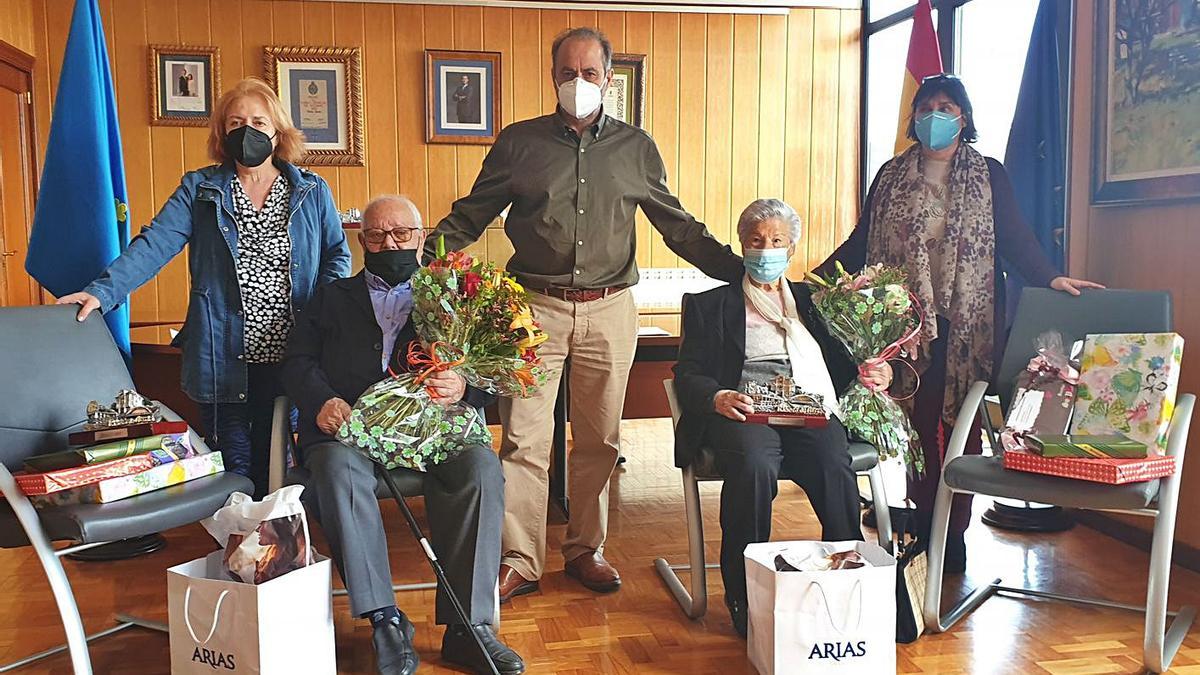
(321, 88)
(626, 94)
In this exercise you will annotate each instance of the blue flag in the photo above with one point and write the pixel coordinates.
(1035, 157)
(81, 223)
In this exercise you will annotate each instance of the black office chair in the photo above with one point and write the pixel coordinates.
(864, 459)
(1096, 311)
(50, 367)
(410, 484)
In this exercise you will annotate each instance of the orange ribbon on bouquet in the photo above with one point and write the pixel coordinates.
(430, 361)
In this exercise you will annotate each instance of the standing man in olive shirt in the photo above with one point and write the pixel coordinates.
(574, 180)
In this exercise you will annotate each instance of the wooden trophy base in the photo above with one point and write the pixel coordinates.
(787, 420)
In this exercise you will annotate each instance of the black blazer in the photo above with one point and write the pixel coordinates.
(713, 353)
(335, 351)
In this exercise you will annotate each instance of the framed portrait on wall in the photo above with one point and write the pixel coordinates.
(321, 87)
(462, 96)
(625, 98)
(185, 80)
(1147, 94)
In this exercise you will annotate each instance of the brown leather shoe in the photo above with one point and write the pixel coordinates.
(513, 584)
(594, 572)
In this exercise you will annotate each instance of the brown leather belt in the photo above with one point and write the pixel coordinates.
(580, 294)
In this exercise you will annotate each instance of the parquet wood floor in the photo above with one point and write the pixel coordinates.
(567, 630)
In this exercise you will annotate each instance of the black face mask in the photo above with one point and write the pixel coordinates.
(248, 146)
(394, 267)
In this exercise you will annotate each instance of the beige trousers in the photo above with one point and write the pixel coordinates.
(600, 337)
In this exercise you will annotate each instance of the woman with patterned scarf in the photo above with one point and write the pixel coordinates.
(946, 215)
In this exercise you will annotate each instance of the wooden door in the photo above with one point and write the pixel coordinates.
(18, 176)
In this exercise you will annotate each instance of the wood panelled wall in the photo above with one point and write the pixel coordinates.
(16, 24)
(1147, 247)
(741, 106)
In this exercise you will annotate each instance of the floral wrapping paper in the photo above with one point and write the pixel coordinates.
(1108, 470)
(1127, 385)
(122, 487)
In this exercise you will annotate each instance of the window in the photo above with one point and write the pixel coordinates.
(988, 40)
(993, 39)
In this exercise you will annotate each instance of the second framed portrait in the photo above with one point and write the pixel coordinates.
(626, 94)
(185, 81)
(321, 87)
(462, 96)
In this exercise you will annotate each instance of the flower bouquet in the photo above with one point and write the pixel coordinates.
(876, 318)
(470, 317)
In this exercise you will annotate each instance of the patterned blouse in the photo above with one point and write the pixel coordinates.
(263, 274)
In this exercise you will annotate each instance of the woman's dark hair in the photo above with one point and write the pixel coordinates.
(952, 87)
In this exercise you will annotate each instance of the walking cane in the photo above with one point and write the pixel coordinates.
(443, 583)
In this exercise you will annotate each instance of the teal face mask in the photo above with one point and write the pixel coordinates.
(765, 265)
(937, 130)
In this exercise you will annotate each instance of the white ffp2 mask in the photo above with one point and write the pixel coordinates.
(579, 97)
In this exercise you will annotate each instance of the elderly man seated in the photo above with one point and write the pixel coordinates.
(344, 341)
(753, 331)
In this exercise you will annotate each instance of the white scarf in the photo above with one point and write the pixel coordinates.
(809, 371)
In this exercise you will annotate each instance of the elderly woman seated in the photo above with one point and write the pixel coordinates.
(752, 332)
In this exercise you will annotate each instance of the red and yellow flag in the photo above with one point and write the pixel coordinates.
(924, 59)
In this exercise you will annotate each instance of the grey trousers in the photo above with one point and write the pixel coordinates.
(464, 503)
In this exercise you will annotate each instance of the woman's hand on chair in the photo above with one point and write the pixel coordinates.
(733, 405)
(1072, 286)
(86, 301)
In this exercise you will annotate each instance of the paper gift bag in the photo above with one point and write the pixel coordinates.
(1127, 385)
(833, 621)
(283, 626)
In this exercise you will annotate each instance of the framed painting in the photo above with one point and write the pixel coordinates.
(462, 97)
(1147, 102)
(626, 94)
(185, 81)
(321, 87)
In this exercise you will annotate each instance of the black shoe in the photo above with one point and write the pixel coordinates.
(394, 653)
(956, 555)
(458, 648)
(738, 613)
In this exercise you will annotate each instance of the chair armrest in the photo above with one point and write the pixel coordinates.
(281, 438)
(1181, 421)
(966, 418)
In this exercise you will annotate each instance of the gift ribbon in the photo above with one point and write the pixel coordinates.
(1040, 365)
(893, 351)
(430, 361)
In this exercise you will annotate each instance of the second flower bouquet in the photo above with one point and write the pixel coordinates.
(472, 318)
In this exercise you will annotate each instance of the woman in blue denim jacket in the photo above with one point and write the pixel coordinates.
(261, 236)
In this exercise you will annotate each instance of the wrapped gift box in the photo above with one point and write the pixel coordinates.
(1127, 385)
(176, 444)
(157, 478)
(1077, 445)
(1108, 470)
(53, 481)
(1041, 404)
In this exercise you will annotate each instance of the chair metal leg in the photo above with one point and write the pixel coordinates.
(68, 611)
(883, 517)
(935, 621)
(1160, 643)
(281, 430)
(695, 603)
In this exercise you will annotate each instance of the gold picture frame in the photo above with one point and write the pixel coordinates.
(185, 81)
(322, 89)
(625, 98)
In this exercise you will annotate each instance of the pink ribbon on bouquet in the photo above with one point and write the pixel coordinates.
(893, 351)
